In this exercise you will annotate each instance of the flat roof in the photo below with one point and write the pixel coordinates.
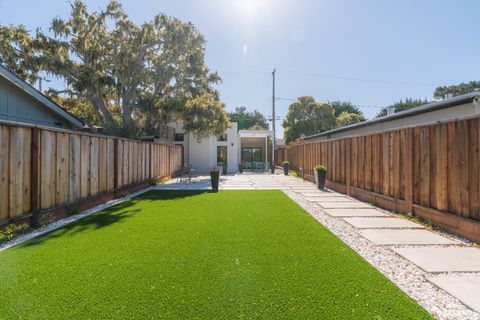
(437, 105)
(255, 133)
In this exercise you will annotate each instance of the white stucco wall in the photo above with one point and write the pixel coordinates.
(202, 154)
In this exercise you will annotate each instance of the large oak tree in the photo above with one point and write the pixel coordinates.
(134, 76)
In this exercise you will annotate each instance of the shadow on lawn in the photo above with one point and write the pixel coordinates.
(115, 214)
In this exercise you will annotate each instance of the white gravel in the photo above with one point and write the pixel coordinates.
(407, 276)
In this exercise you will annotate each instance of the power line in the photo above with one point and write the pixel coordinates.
(356, 105)
(289, 72)
(350, 78)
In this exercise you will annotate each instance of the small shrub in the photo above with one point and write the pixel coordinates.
(73, 209)
(286, 163)
(320, 168)
(12, 230)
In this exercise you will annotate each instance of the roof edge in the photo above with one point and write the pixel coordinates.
(40, 97)
(437, 105)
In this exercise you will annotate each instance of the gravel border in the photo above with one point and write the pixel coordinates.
(403, 273)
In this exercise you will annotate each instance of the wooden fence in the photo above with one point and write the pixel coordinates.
(430, 171)
(43, 168)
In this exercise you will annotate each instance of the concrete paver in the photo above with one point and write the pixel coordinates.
(448, 259)
(344, 205)
(367, 212)
(320, 194)
(404, 237)
(328, 199)
(464, 288)
(382, 223)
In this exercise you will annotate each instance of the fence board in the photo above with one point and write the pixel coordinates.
(4, 171)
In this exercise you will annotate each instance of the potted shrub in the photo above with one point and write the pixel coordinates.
(286, 167)
(214, 178)
(272, 167)
(320, 176)
(240, 167)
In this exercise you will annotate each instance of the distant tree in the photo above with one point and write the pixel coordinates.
(456, 90)
(340, 107)
(403, 105)
(305, 116)
(248, 120)
(348, 118)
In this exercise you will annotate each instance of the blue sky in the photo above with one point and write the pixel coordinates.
(371, 52)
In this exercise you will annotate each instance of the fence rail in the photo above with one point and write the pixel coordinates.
(432, 171)
(41, 168)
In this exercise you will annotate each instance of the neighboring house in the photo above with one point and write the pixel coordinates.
(280, 144)
(459, 107)
(20, 102)
(249, 147)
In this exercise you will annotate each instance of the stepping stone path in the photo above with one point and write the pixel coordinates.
(464, 288)
(352, 212)
(344, 205)
(404, 237)
(448, 259)
(431, 252)
(375, 223)
(329, 199)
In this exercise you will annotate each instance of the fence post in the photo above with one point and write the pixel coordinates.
(348, 155)
(408, 170)
(115, 164)
(150, 162)
(34, 186)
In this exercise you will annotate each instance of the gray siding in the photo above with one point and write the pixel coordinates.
(17, 106)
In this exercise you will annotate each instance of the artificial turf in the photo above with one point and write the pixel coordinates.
(185, 254)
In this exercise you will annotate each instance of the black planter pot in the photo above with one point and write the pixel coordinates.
(272, 168)
(214, 179)
(286, 167)
(320, 179)
(224, 169)
(240, 168)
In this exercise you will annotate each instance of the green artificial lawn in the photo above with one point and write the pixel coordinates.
(186, 254)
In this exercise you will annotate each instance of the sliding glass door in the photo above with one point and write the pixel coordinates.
(252, 159)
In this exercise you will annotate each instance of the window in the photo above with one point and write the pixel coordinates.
(179, 137)
(221, 155)
(222, 137)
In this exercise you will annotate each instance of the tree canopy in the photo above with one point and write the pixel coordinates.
(132, 75)
(248, 120)
(348, 118)
(456, 90)
(305, 116)
(340, 107)
(402, 105)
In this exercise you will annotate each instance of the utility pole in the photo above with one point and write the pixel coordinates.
(273, 122)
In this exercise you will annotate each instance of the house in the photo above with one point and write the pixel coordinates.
(20, 102)
(459, 107)
(249, 147)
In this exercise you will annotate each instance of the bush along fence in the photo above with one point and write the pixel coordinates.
(432, 171)
(48, 173)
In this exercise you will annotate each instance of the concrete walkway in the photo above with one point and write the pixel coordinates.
(445, 259)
